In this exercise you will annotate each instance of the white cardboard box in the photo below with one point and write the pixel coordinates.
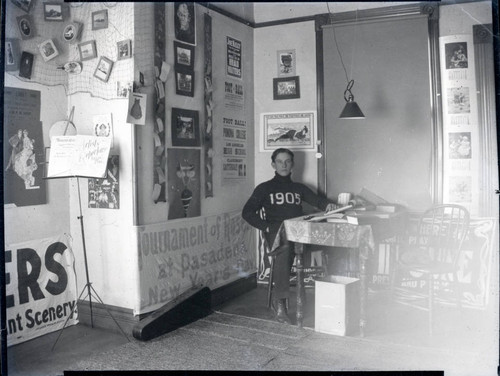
(337, 305)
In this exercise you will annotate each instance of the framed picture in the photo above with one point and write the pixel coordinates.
(185, 127)
(292, 130)
(103, 69)
(124, 48)
(11, 54)
(100, 19)
(185, 22)
(25, 5)
(26, 26)
(48, 50)
(71, 32)
(87, 50)
(286, 63)
(184, 55)
(184, 83)
(26, 65)
(53, 12)
(286, 87)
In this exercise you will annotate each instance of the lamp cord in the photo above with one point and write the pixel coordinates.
(336, 43)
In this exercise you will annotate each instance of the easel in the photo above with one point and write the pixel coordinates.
(88, 286)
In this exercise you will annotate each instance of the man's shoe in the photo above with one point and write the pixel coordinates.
(280, 312)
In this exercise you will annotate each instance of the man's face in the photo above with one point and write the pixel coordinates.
(283, 164)
(184, 16)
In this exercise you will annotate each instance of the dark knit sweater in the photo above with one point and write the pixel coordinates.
(281, 199)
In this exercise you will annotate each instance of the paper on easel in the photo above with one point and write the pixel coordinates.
(85, 156)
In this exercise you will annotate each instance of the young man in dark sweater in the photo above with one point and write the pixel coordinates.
(279, 199)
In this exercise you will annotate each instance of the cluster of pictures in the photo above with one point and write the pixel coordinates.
(71, 34)
(185, 34)
(287, 84)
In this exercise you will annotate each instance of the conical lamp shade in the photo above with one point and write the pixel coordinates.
(351, 111)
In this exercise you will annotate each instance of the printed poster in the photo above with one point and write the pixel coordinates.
(105, 193)
(233, 57)
(41, 290)
(233, 95)
(234, 157)
(24, 151)
(176, 256)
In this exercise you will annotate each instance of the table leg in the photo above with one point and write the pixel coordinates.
(300, 283)
(362, 313)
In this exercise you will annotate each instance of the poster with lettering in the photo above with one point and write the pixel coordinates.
(233, 95)
(85, 156)
(40, 288)
(233, 57)
(176, 256)
(24, 152)
(234, 155)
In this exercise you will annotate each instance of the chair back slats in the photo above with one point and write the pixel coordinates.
(442, 231)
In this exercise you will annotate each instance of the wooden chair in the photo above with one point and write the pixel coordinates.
(434, 253)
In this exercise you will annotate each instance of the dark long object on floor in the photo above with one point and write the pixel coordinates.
(189, 306)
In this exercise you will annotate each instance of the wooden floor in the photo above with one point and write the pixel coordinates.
(388, 323)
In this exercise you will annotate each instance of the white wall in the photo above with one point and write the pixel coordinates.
(267, 41)
(39, 221)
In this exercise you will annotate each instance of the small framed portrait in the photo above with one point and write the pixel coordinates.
(185, 22)
(184, 55)
(26, 26)
(124, 48)
(87, 50)
(25, 5)
(456, 55)
(184, 83)
(11, 54)
(286, 63)
(53, 12)
(286, 88)
(100, 19)
(185, 127)
(71, 32)
(48, 50)
(26, 65)
(103, 69)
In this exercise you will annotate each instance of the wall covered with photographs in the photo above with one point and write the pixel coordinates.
(86, 48)
(208, 117)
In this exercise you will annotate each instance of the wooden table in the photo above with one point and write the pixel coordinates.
(361, 237)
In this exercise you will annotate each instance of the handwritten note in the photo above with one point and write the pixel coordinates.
(85, 156)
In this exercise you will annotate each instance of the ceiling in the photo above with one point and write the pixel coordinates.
(260, 12)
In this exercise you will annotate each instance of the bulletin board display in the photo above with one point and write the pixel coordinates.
(107, 37)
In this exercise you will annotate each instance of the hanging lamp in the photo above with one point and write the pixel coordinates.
(351, 109)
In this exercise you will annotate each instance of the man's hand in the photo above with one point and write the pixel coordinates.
(330, 207)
